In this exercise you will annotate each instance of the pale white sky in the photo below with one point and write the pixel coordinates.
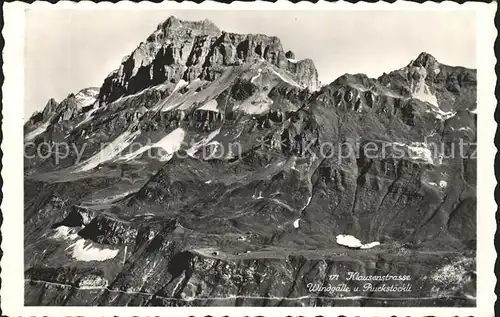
(67, 50)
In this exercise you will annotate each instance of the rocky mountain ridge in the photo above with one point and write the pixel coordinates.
(212, 169)
(189, 50)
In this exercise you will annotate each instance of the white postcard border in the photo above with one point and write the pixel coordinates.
(12, 292)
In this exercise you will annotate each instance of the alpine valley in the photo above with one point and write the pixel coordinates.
(214, 169)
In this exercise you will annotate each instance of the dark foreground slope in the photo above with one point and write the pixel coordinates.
(212, 169)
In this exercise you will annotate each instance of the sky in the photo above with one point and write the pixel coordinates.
(68, 50)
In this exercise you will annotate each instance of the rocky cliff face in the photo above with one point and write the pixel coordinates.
(189, 50)
(212, 169)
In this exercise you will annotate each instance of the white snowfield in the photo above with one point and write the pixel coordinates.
(82, 250)
(287, 80)
(139, 93)
(87, 253)
(110, 198)
(186, 100)
(440, 114)
(109, 152)
(307, 202)
(181, 84)
(254, 196)
(296, 223)
(421, 91)
(192, 150)
(210, 106)
(33, 134)
(171, 143)
(418, 150)
(260, 103)
(353, 242)
(348, 241)
(194, 83)
(88, 117)
(256, 105)
(85, 100)
(370, 245)
(65, 233)
(252, 80)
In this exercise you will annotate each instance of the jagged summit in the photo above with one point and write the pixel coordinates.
(89, 90)
(187, 50)
(424, 59)
(173, 22)
(351, 79)
(202, 27)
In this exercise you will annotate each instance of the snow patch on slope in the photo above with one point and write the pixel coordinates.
(370, 245)
(287, 80)
(160, 87)
(83, 250)
(210, 106)
(259, 74)
(420, 90)
(110, 151)
(195, 83)
(90, 252)
(171, 143)
(440, 114)
(353, 242)
(420, 151)
(65, 233)
(254, 196)
(296, 223)
(86, 97)
(348, 241)
(203, 142)
(181, 84)
(256, 107)
(39, 130)
(88, 117)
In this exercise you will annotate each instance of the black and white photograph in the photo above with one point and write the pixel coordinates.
(258, 158)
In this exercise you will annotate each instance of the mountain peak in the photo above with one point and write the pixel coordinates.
(186, 50)
(89, 90)
(171, 19)
(203, 26)
(425, 60)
